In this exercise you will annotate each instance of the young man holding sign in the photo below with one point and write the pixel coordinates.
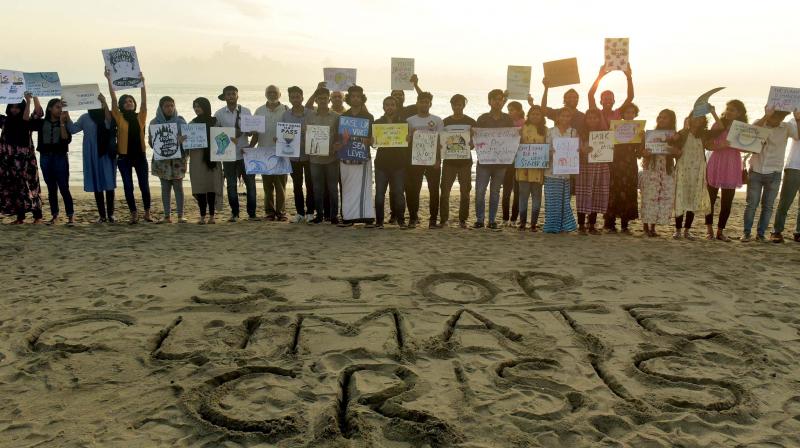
(324, 166)
(230, 116)
(390, 170)
(493, 174)
(301, 169)
(765, 171)
(457, 168)
(423, 121)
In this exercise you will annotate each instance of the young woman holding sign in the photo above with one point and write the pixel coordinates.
(131, 146)
(724, 168)
(54, 139)
(691, 195)
(591, 187)
(530, 180)
(657, 181)
(623, 199)
(19, 173)
(172, 171)
(558, 216)
(206, 175)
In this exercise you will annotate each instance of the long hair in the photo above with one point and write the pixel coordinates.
(541, 126)
(50, 104)
(739, 106)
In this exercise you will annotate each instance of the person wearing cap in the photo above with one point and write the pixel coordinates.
(356, 175)
(230, 117)
(324, 168)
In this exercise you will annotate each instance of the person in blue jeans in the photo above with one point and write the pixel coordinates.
(765, 171)
(491, 176)
(54, 139)
(790, 188)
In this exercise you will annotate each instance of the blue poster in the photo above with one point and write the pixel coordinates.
(353, 131)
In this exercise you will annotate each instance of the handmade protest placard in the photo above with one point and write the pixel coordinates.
(43, 84)
(196, 136)
(402, 70)
(339, 79)
(223, 149)
(701, 105)
(786, 99)
(423, 148)
(496, 146)
(253, 123)
(628, 131)
(562, 72)
(390, 135)
(655, 142)
(532, 156)
(264, 161)
(616, 53)
(518, 81)
(565, 157)
(124, 67)
(318, 140)
(288, 144)
(747, 137)
(602, 143)
(164, 140)
(12, 87)
(353, 132)
(81, 97)
(455, 139)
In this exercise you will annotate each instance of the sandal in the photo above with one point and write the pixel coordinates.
(722, 237)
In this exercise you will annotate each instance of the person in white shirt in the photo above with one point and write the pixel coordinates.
(423, 121)
(274, 185)
(230, 116)
(764, 177)
(791, 185)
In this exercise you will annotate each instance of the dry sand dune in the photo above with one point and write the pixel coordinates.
(267, 334)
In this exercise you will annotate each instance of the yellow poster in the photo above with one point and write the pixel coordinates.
(390, 135)
(628, 131)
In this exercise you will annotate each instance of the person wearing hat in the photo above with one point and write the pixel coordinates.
(230, 117)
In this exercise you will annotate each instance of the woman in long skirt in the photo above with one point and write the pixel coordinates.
(557, 209)
(691, 195)
(657, 181)
(623, 198)
(20, 192)
(591, 187)
(206, 176)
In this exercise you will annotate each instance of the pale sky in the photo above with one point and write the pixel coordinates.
(677, 48)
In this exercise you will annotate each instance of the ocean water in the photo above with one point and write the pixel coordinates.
(253, 97)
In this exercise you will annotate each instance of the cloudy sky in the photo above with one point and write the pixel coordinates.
(687, 47)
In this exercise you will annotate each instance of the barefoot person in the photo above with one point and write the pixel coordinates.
(607, 97)
(457, 169)
(623, 196)
(558, 217)
(131, 146)
(592, 184)
(423, 121)
(530, 180)
(356, 175)
(764, 177)
(206, 176)
(19, 173)
(53, 146)
(99, 158)
(172, 171)
(691, 194)
(657, 181)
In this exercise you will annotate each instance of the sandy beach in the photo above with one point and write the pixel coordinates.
(259, 334)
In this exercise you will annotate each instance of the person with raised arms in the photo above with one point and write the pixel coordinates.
(19, 173)
(172, 171)
(356, 175)
(607, 97)
(423, 121)
(131, 146)
(274, 185)
(324, 168)
(99, 157)
(766, 167)
(457, 169)
(490, 175)
(571, 100)
(230, 116)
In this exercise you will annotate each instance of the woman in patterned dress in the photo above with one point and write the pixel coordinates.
(658, 183)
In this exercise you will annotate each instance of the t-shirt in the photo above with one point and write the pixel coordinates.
(329, 119)
(363, 114)
(451, 123)
(794, 156)
(487, 121)
(430, 123)
(772, 156)
(391, 156)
